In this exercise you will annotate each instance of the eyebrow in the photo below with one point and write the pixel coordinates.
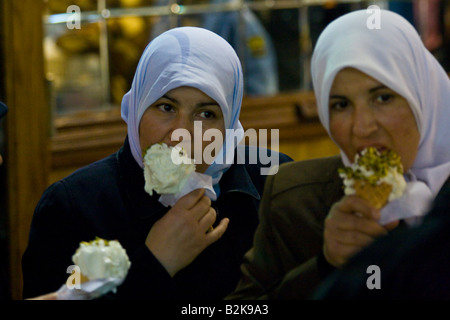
(199, 105)
(380, 87)
(371, 90)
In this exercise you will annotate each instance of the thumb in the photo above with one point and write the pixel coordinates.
(217, 232)
(392, 225)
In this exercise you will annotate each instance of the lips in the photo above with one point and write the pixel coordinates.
(379, 147)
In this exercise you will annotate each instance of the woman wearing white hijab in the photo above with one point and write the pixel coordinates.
(375, 87)
(185, 75)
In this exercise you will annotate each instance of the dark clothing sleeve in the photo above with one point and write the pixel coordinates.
(48, 254)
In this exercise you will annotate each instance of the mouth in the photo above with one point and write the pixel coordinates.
(380, 148)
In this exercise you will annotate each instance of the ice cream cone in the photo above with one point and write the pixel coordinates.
(377, 195)
(101, 259)
(166, 169)
(375, 176)
(83, 278)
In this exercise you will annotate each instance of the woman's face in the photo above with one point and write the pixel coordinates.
(178, 109)
(364, 112)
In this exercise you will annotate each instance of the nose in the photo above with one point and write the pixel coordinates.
(364, 121)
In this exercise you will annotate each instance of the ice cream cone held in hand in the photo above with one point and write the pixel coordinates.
(167, 170)
(375, 176)
(100, 259)
(100, 267)
(377, 195)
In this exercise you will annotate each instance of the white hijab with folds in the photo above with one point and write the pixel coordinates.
(396, 57)
(194, 57)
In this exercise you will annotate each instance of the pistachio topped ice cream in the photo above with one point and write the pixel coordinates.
(375, 175)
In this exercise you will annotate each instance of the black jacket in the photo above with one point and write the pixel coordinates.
(107, 199)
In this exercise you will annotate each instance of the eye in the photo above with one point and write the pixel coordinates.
(207, 115)
(164, 107)
(384, 98)
(339, 105)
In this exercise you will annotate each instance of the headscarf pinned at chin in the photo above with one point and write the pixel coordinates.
(193, 57)
(395, 56)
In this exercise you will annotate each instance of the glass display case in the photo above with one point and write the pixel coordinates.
(92, 47)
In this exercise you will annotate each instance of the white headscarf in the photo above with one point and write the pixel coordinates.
(194, 57)
(395, 56)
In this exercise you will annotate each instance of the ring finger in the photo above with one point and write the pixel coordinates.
(208, 219)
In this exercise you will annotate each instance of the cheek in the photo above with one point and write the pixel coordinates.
(144, 139)
(216, 130)
(216, 136)
(404, 133)
(149, 134)
(407, 143)
(339, 132)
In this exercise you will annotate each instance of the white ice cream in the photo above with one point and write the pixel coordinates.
(166, 169)
(100, 259)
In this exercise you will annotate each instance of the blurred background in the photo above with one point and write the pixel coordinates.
(66, 64)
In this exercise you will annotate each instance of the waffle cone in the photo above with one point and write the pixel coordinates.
(377, 195)
(83, 278)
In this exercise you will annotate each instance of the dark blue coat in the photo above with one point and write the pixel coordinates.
(107, 199)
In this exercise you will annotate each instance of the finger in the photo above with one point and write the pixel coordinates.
(345, 252)
(392, 225)
(339, 223)
(353, 238)
(217, 232)
(189, 200)
(359, 206)
(201, 208)
(344, 222)
(208, 219)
